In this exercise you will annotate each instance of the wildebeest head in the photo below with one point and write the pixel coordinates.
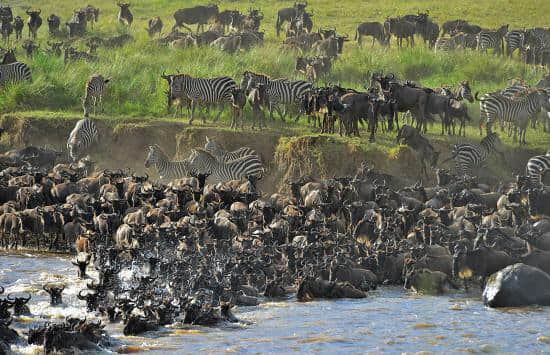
(55, 293)
(82, 263)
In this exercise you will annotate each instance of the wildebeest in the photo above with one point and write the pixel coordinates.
(34, 22)
(155, 26)
(77, 24)
(400, 28)
(257, 99)
(125, 17)
(199, 15)
(29, 47)
(229, 44)
(6, 29)
(330, 47)
(5, 12)
(374, 29)
(422, 147)
(53, 24)
(238, 101)
(289, 13)
(92, 14)
(18, 25)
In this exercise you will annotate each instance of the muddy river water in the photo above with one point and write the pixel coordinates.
(389, 320)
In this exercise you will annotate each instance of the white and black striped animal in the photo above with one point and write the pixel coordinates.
(222, 155)
(14, 73)
(93, 93)
(205, 163)
(468, 156)
(202, 91)
(82, 137)
(166, 169)
(536, 167)
(279, 91)
(514, 111)
(492, 40)
(514, 41)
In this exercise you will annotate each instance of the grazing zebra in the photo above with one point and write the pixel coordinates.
(213, 91)
(14, 72)
(83, 135)
(166, 169)
(536, 167)
(468, 156)
(514, 40)
(205, 163)
(222, 155)
(492, 39)
(536, 44)
(514, 111)
(279, 91)
(93, 93)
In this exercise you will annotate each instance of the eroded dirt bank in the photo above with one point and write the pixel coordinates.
(286, 155)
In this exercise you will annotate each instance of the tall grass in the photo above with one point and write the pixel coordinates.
(136, 88)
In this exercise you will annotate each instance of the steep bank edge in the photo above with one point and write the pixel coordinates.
(286, 156)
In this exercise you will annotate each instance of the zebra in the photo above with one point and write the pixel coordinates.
(206, 91)
(514, 40)
(536, 45)
(166, 169)
(14, 72)
(93, 93)
(514, 111)
(492, 39)
(279, 91)
(536, 167)
(205, 163)
(468, 156)
(83, 135)
(222, 155)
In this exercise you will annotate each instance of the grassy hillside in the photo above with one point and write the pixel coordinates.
(137, 90)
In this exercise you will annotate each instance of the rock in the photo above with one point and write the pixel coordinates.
(517, 285)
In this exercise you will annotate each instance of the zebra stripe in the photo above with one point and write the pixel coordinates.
(468, 156)
(93, 93)
(204, 91)
(514, 40)
(14, 72)
(536, 167)
(205, 163)
(83, 135)
(491, 39)
(279, 91)
(166, 169)
(222, 155)
(515, 111)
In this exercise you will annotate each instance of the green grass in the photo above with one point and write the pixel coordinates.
(136, 89)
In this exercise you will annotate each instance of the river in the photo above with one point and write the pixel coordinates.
(390, 320)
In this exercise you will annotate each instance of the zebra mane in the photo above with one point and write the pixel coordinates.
(203, 152)
(159, 151)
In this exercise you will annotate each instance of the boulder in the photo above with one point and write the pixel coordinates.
(517, 285)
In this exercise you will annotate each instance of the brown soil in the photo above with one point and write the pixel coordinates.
(123, 145)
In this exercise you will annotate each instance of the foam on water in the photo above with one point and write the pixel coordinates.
(388, 320)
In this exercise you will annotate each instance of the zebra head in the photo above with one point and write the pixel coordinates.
(154, 156)
(465, 91)
(215, 148)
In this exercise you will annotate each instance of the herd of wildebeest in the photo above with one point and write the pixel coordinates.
(189, 247)
(232, 32)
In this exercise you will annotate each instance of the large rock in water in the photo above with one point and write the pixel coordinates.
(517, 285)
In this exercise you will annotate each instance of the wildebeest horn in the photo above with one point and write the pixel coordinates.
(80, 297)
(164, 76)
(46, 288)
(26, 300)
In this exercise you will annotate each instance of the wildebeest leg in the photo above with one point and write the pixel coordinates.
(193, 105)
